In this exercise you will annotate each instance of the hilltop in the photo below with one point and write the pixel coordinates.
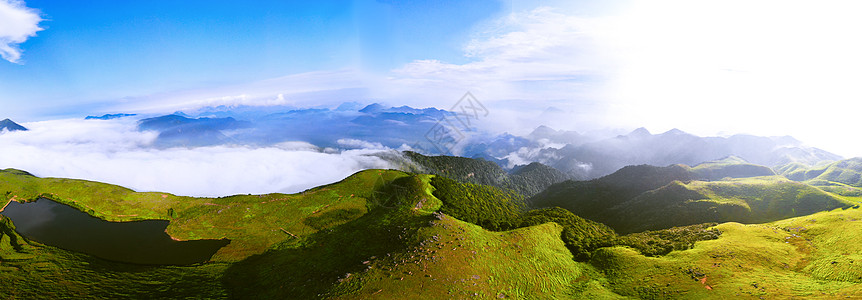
(527, 180)
(847, 172)
(10, 125)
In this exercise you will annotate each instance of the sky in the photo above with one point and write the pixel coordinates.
(707, 67)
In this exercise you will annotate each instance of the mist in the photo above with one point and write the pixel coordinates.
(114, 151)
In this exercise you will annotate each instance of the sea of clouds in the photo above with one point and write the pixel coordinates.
(114, 151)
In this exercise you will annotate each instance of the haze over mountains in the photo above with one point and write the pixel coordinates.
(589, 160)
(348, 138)
(376, 126)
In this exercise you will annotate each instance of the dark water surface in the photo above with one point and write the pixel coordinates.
(141, 242)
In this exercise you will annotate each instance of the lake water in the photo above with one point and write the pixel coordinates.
(141, 242)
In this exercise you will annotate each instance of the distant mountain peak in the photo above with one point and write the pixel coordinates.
(181, 114)
(543, 130)
(674, 131)
(640, 132)
(11, 126)
(373, 108)
(349, 106)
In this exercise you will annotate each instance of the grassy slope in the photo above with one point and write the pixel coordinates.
(638, 198)
(311, 265)
(806, 257)
(396, 244)
(253, 223)
(590, 199)
(732, 167)
(847, 172)
(746, 200)
(406, 248)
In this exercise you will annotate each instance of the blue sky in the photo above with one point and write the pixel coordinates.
(770, 67)
(104, 50)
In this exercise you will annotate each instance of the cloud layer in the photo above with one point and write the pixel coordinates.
(17, 24)
(514, 57)
(114, 152)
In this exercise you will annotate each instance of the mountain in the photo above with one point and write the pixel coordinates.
(390, 234)
(392, 127)
(109, 116)
(594, 159)
(848, 172)
(638, 198)
(526, 180)
(557, 136)
(842, 178)
(752, 200)
(591, 199)
(435, 131)
(9, 125)
(177, 130)
(733, 167)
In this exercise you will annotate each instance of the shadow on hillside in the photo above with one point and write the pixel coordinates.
(305, 269)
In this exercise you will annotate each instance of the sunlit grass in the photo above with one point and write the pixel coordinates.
(379, 234)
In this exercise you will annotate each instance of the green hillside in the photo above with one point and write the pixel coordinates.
(730, 167)
(527, 180)
(805, 257)
(749, 200)
(590, 199)
(847, 172)
(253, 223)
(389, 234)
(642, 198)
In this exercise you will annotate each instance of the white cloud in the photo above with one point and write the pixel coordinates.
(359, 144)
(114, 152)
(17, 24)
(521, 64)
(761, 67)
(540, 54)
(769, 67)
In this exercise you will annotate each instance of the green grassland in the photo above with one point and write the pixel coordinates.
(253, 223)
(730, 167)
(847, 172)
(638, 198)
(814, 256)
(389, 234)
(745, 200)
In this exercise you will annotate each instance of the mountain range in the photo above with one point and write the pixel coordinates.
(592, 159)
(639, 198)
(391, 127)
(578, 156)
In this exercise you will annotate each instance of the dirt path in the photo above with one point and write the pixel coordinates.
(6, 204)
